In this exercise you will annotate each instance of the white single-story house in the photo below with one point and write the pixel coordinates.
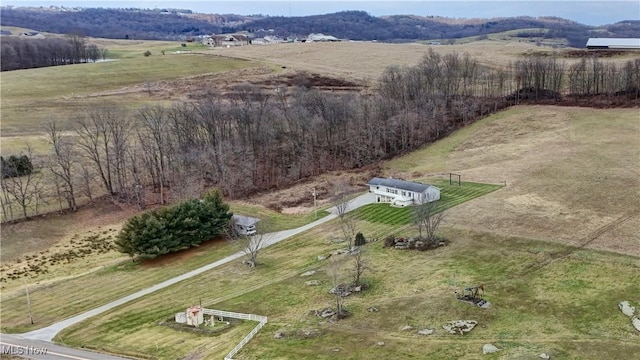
(614, 43)
(245, 225)
(402, 193)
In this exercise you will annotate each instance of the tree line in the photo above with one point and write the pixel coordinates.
(24, 53)
(254, 139)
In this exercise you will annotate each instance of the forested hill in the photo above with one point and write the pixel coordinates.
(354, 25)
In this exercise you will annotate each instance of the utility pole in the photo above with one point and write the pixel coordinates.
(315, 207)
(26, 287)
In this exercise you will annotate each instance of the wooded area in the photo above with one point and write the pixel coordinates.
(23, 53)
(253, 139)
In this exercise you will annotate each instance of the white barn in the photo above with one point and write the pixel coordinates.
(614, 43)
(402, 193)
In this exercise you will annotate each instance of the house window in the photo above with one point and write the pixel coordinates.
(404, 193)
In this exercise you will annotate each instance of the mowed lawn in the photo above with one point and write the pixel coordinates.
(450, 196)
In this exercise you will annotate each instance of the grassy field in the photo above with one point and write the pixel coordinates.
(571, 175)
(450, 196)
(567, 308)
(32, 97)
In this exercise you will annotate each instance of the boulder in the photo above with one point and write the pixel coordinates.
(407, 327)
(545, 356)
(312, 282)
(325, 313)
(278, 335)
(460, 327)
(627, 308)
(489, 349)
(321, 257)
(373, 309)
(380, 343)
(635, 321)
(308, 273)
(425, 332)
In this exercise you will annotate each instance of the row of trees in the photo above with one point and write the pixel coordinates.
(157, 232)
(24, 53)
(254, 139)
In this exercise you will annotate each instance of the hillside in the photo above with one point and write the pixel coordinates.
(354, 25)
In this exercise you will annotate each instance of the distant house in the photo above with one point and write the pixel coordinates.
(613, 43)
(245, 225)
(402, 193)
(267, 40)
(321, 37)
(226, 40)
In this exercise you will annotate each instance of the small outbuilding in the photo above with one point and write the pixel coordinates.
(613, 44)
(245, 225)
(401, 192)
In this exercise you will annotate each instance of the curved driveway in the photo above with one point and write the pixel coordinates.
(45, 335)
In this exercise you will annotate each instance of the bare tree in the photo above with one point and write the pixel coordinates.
(360, 263)
(251, 245)
(25, 190)
(62, 162)
(341, 201)
(335, 270)
(427, 216)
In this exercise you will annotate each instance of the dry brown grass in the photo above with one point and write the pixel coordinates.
(366, 61)
(569, 171)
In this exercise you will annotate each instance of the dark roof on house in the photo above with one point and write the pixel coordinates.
(399, 184)
(245, 220)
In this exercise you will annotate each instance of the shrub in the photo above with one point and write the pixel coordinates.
(175, 228)
(147, 53)
(389, 241)
(360, 240)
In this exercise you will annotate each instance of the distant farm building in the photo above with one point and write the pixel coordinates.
(613, 44)
(402, 193)
(321, 37)
(226, 40)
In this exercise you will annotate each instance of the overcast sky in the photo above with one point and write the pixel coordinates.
(587, 12)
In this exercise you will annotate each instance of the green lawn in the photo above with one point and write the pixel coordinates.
(450, 196)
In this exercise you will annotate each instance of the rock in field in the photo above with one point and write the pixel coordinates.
(380, 343)
(545, 356)
(278, 335)
(627, 308)
(312, 282)
(489, 349)
(425, 332)
(459, 327)
(406, 328)
(636, 322)
(308, 273)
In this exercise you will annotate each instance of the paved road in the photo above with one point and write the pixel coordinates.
(42, 336)
(43, 350)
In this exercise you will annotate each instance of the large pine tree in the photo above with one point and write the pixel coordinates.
(175, 228)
